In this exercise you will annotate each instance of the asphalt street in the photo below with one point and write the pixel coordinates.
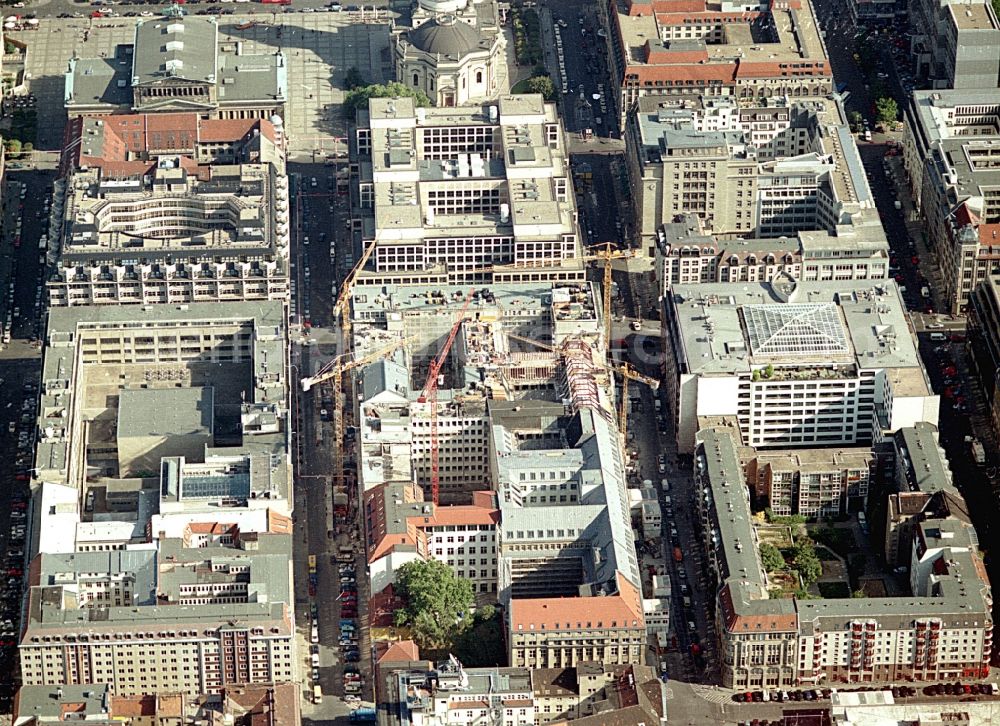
(20, 284)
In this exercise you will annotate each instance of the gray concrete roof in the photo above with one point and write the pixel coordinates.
(99, 80)
(924, 459)
(266, 578)
(252, 77)
(165, 411)
(871, 314)
(46, 703)
(176, 47)
(140, 564)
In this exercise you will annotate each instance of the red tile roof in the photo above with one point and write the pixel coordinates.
(681, 72)
(623, 610)
(402, 651)
(782, 69)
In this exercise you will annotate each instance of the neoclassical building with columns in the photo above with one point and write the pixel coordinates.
(453, 50)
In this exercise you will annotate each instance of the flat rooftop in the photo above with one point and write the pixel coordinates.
(725, 328)
(748, 46)
(512, 158)
(64, 388)
(972, 16)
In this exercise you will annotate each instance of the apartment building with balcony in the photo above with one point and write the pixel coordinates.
(955, 44)
(942, 630)
(951, 146)
(744, 51)
(793, 364)
(821, 482)
(448, 194)
(170, 209)
(687, 254)
(765, 172)
(167, 619)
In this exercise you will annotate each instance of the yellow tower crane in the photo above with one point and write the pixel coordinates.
(340, 312)
(608, 254)
(336, 369)
(629, 373)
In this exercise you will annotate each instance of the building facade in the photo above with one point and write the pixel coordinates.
(737, 50)
(178, 63)
(943, 630)
(955, 44)
(686, 254)
(769, 171)
(793, 364)
(453, 51)
(950, 150)
(170, 209)
(463, 195)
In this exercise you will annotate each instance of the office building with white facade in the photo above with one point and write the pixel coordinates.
(794, 364)
(448, 194)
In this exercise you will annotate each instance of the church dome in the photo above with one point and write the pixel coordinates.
(445, 36)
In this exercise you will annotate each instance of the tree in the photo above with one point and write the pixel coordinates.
(28, 147)
(770, 557)
(358, 97)
(858, 594)
(13, 146)
(354, 79)
(542, 85)
(886, 111)
(855, 119)
(438, 603)
(806, 562)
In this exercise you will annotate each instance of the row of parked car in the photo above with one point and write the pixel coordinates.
(962, 689)
(818, 694)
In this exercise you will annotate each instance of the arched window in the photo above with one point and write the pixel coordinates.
(416, 79)
(479, 76)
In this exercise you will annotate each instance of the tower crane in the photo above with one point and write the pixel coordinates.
(340, 311)
(607, 255)
(335, 369)
(429, 395)
(629, 373)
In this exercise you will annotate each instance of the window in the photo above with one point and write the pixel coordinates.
(479, 76)
(416, 79)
